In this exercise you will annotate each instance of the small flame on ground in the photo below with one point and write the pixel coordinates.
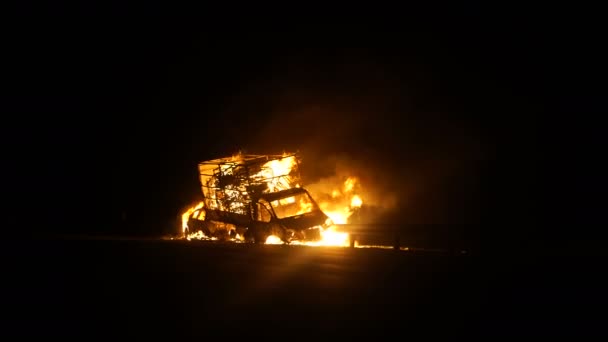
(198, 236)
(332, 238)
(329, 237)
(273, 240)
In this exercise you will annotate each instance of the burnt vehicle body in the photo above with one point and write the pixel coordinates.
(253, 197)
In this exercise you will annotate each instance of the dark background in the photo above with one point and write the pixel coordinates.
(110, 113)
(108, 109)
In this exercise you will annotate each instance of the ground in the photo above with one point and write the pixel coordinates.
(151, 288)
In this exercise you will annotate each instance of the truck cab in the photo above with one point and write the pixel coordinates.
(290, 214)
(254, 197)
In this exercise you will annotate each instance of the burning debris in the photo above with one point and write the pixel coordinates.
(259, 198)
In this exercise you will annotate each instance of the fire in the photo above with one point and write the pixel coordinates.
(187, 213)
(273, 240)
(305, 206)
(341, 198)
(356, 202)
(197, 236)
(339, 216)
(329, 237)
(349, 184)
(343, 202)
(277, 172)
(281, 167)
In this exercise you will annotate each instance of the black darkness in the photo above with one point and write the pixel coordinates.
(112, 112)
(107, 109)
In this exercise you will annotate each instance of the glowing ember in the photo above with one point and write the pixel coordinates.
(187, 213)
(329, 237)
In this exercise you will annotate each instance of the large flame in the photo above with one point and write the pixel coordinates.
(343, 202)
(198, 236)
(276, 172)
(187, 213)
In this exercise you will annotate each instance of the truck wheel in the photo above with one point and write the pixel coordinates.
(222, 235)
(205, 227)
(286, 236)
(248, 236)
(260, 237)
(313, 234)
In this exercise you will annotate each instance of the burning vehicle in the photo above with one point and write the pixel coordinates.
(256, 198)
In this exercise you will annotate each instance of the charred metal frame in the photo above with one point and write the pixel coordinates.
(230, 184)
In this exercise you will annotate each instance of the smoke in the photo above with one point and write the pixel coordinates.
(364, 125)
(342, 177)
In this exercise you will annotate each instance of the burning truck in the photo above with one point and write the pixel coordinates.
(257, 198)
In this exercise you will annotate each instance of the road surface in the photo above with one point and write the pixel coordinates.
(149, 288)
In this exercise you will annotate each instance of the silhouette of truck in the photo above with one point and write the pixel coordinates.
(255, 196)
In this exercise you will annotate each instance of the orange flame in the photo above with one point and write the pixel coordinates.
(187, 213)
(356, 202)
(349, 184)
(343, 203)
(273, 240)
(329, 237)
(277, 172)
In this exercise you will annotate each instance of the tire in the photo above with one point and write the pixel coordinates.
(286, 236)
(222, 235)
(248, 236)
(260, 236)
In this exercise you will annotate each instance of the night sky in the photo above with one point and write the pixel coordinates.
(113, 113)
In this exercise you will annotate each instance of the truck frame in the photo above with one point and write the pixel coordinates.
(255, 196)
